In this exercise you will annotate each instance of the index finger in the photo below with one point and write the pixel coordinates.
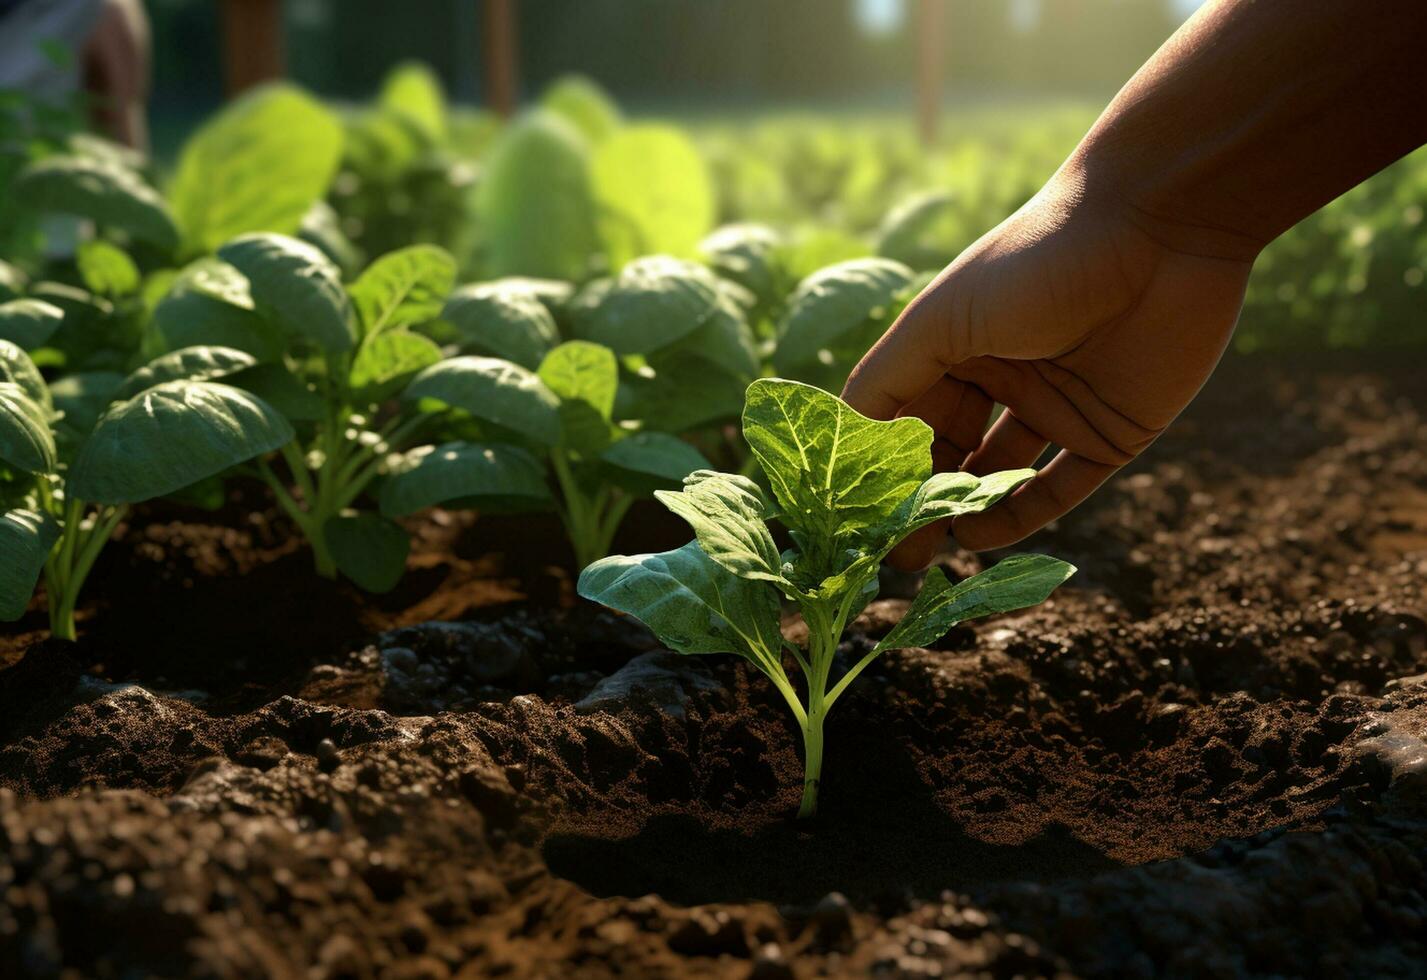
(908, 359)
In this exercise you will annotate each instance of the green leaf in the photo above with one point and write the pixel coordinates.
(584, 104)
(110, 195)
(834, 302)
(655, 302)
(210, 304)
(322, 226)
(17, 368)
(646, 460)
(368, 549)
(692, 604)
(26, 442)
(585, 377)
(80, 399)
(386, 362)
(946, 495)
(681, 392)
(172, 436)
(256, 166)
(26, 537)
(403, 288)
(29, 322)
(283, 390)
(747, 255)
(92, 334)
(412, 89)
(832, 470)
(297, 286)
(106, 268)
(465, 474)
(534, 204)
(495, 391)
(910, 231)
(724, 340)
(189, 363)
(504, 318)
(727, 513)
(381, 145)
(12, 281)
(1017, 582)
(653, 191)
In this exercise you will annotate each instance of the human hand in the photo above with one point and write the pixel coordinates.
(1090, 321)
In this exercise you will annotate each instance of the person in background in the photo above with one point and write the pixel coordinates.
(1098, 310)
(110, 43)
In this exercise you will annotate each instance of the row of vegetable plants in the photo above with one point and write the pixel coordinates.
(226, 324)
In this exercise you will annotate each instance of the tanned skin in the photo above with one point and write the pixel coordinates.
(1096, 312)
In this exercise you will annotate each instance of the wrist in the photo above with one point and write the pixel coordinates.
(1174, 203)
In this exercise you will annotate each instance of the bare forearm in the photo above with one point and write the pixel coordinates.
(1257, 113)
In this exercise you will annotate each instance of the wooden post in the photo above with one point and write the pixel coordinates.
(498, 47)
(931, 50)
(252, 43)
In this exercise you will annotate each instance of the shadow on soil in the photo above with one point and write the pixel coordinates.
(880, 839)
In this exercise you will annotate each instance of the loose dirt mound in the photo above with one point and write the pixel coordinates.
(1204, 757)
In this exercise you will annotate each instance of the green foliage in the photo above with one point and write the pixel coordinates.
(259, 165)
(583, 104)
(295, 286)
(17, 368)
(496, 391)
(107, 193)
(653, 193)
(26, 442)
(408, 167)
(190, 363)
(29, 322)
(403, 288)
(182, 431)
(368, 549)
(107, 269)
(505, 318)
(848, 489)
(412, 89)
(655, 302)
(26, 537)
(387, 362)
(210, 304)
(584, 377)
(535, 204)
(489, 477)
(835, 315)
(88, 459)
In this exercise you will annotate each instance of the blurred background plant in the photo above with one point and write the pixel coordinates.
(825, 130)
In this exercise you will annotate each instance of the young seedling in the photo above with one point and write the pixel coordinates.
(342, 354)
(379, 407)
(553, 426)
(64, 487)
(848, 489)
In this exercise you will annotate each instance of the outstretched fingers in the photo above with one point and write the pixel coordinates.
(1009, 445)
(1062, 484)
(957, 413)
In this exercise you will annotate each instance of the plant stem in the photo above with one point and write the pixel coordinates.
(72, 561)
(576, 512)
(812, 759)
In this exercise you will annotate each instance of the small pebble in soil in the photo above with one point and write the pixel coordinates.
(832, 918)
(328, 758)
(770, 964)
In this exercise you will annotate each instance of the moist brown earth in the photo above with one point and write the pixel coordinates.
(1205, 756)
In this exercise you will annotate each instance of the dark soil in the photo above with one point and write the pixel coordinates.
(1205, 756)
